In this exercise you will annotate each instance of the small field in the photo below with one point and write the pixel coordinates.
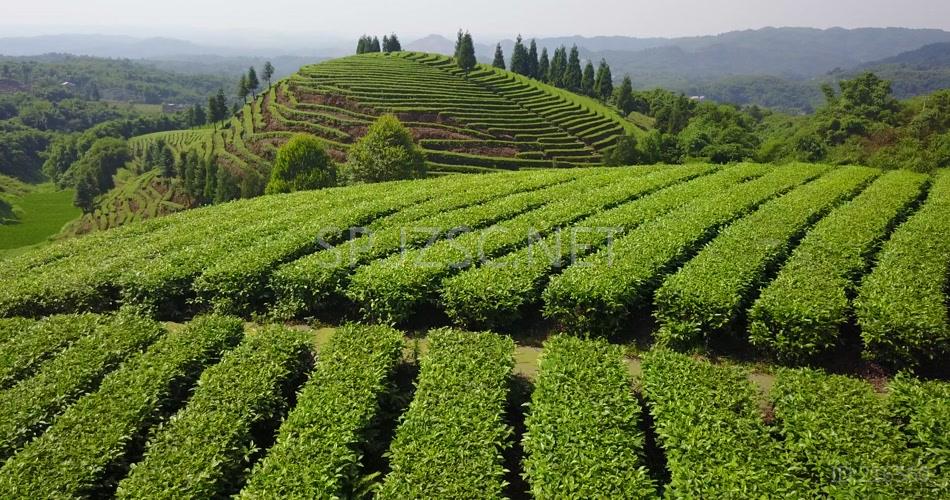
(41, 213)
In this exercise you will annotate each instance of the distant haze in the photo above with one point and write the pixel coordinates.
(273, 21)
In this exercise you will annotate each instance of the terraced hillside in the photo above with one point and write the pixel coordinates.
(791, 259)
(135, 198)
(484, 120)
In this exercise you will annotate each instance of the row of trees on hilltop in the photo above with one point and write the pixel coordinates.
(250, 84)
(563, 70)
(369, 44)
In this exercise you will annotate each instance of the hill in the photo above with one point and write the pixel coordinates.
(485, 120)
(913, 73)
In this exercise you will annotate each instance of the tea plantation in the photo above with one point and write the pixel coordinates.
(169, 357)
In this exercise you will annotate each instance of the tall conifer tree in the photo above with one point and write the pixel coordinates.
(242, 90)
(587, 82)
(499, 61)
(544, 66)
(625, 96)
(604, 85)
(458, 45)
(573, 75)
(519, 58)
(558, 67)
(252, 82)
(466, 59)
(533, 63)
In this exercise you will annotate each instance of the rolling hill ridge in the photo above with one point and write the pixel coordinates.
(485, 120)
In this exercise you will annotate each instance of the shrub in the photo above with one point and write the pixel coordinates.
(708, 295)
(802, 311)
(23, 354)
(583, 435)
(385, 153)
(921, 409)
(624, 153)
(450, 441)
(319, 446)
(206, 447)
(301, 164)
(708, 423)
(902, 304)
(601, 291)
(837, 432)
(88, 447)
(28, 407)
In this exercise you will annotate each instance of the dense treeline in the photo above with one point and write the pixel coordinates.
(96, 78)
(29, 124)
(369, 44)
(563, 70)
(48, 102)
(861, 122)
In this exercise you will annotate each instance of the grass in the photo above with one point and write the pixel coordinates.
(42, 212)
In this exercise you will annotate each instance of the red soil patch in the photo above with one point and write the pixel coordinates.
(437, 133)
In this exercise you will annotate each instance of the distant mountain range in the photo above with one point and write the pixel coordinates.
(729, 65)
(800, 53)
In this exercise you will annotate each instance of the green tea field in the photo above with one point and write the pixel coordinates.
(695, 331)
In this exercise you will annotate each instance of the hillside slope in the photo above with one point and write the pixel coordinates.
(590, 248)
(488, 119)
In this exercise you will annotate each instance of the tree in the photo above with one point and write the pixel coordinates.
(85, 197)
(227, 187)
(268, 72)
(587, 82)
(374, 45)
(573, 74)
(93, 92)
(361, 45)
(603, 83)
(198, 116)
(96, 168)
(218, 107)
(519, 58)
(499, 61)
(252, 82)
(385, 153)
(391, 43)
(625, 152)
(166, 161)
(222, 103)
(301, 164)
(466, 59)
(558, 69)
(458, 45)
(243, 90)
(209, 169)
(533, 63)
(625, 96)
(544, 66)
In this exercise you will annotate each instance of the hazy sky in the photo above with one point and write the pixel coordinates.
(487, 17)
